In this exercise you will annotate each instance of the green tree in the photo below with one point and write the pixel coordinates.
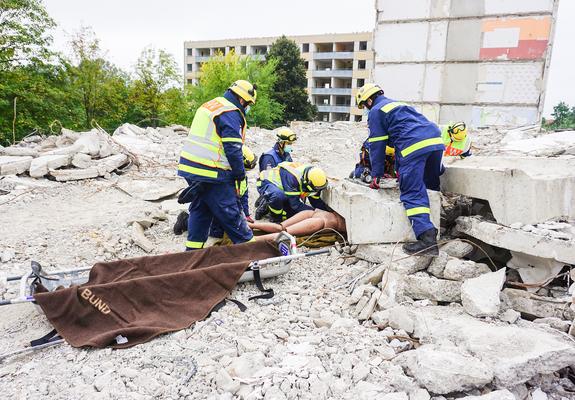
(564, 117)
(290, 86)
(23, 32)
(221, 71)
(101, 88)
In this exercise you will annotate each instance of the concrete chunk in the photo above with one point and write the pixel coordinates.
(421, 287)
(457, 248)
(382, 254)
(375, 216)
(13, 165)
(528, 189)
(480, 296)
(459, 270)
(495, 395)
(537, 306)
(41, 165)
(63, 175)
(18, 151)
(81, 160)
(109, 164)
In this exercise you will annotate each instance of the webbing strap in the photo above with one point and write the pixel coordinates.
(222, 303)
(47, 338)
(267, 293)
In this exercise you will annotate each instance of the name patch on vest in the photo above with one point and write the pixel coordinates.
(97, 302)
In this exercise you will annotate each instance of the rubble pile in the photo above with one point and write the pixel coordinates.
(490, 318)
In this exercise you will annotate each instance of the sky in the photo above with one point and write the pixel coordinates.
(125, 27)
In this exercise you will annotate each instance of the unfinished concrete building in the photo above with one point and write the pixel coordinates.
(481, 61)
(337, 64)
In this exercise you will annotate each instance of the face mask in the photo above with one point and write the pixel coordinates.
(247, 110)
(365, 112)
(287, 148)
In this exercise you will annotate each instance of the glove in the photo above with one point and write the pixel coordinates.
(250, 219)
(375, 183)
(238, 183)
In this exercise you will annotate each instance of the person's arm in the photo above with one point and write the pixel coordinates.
(245, 202)
(229, 126)
(266, 161)
(292, 192)
(377, 140)
(316, 202)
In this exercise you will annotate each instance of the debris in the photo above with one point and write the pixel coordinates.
(41, 165)
(140, 238)
(510, 316)
(426, 287)
(457, 248)
(495, 395)
(151, 189)
(538, 306)
(459, 270)
(12, 165)
(480, 296)
(555, 323)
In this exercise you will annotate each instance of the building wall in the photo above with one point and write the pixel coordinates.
(482, 61)
(337, 64)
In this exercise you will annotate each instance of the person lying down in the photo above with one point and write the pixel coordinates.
(303, 223)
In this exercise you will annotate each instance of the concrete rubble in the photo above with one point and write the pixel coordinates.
(376, 323)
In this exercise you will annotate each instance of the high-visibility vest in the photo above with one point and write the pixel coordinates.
(204, 145)
(452, 147)
(296, 169)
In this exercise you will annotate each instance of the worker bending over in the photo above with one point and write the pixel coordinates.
(212, 163)
(456, 140)
(418, 152)
(285, 188)
(362, 169)
(281, 150)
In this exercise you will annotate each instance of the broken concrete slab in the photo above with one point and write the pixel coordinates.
(109, 164)
(14, 165)
(538, 306)
(555, 323)
(151, 189)
(394, 259)
(18, 151)
(41, 165)
(534, 270)
(374, 216)
(503, 394)
(527, 190)
(517, 240)
(515, 354)
(480, 296)
(459, 270)
(457, 248)
(445, 369)
(82, 161)
(64, 175)
(89, 143)
(438, 264)
(423, 286)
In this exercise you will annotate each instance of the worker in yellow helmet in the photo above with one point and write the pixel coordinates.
(212, 163)
(281, 151)
(286, 187)
(456, 140)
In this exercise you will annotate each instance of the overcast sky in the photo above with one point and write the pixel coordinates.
(125, 27)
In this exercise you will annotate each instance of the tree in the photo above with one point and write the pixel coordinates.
(564, 117)
(291, 83)
(23, 32)
(221, 71)
(155, 86)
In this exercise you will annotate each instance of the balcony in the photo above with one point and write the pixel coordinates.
(258, 57)
(336, 73)
(334, 91)
(202, 58)
(334, 109)
(331, 55)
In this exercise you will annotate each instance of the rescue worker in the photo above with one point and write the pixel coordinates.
(211, 161)
(418, 152)
(362, 169)
(281, 150)
(250, 162)
(286, 187)
(456, 140)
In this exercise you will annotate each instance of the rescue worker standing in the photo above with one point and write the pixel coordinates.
(418, 151)
(281, 150)
(286, 187)
(456, 140)
(212, 163)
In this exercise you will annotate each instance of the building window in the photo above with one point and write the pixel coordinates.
(358, 118)
(361, 64)
(190, 67)
(363, 45)
(190, 52)
(243, 50)
(190, 81)
(305, 48)
(306, 64)
(360, 82)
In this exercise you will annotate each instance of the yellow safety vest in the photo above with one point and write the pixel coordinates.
(296, 169)
(204, 145)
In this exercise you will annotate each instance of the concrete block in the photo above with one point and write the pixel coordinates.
(18, 151)
(375, 216)
(63, 175)
(517, 240)
(13, 165)
(537, 306)
(41, 165)
(521, 189)
(480, 296)
(421, 287)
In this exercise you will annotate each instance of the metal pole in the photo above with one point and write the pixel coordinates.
(63, 272)
(274, 260)
(26, 349)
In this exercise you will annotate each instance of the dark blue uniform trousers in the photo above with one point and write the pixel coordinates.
(416, 174)
(216, 202)
(276, 198)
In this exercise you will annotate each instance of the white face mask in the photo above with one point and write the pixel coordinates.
(247, 109)
(287, 148)
(365, 112)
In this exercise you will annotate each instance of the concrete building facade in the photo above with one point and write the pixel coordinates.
(337, 64)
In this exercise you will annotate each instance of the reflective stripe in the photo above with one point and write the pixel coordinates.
(417, 210)
(198, 171)
(273, 210)
(273, 176)
(377, 139)
(194, 245)
(420, 145)
(390, 106)
(243, 187)
(231, 139)
(253, 239)
(292, 193)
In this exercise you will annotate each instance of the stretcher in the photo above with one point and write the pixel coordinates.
(256, 271)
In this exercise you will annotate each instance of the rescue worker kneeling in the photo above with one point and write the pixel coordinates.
(211, 161)
(286, 187)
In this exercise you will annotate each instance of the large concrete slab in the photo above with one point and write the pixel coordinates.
(13, 165)
(375, 216)
(519, 189)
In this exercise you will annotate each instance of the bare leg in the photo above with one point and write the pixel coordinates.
(271, 227)
(320, 220)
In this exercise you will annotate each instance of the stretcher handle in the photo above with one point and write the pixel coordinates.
(273, 260)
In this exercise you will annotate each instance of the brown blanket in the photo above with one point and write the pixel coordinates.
(141, 298)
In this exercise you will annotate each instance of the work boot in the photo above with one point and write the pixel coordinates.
(426, 244)
(262, 209)
(181, 224)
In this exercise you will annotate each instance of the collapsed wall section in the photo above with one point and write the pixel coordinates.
(482, 61)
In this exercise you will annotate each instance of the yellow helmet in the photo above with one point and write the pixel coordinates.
(245, 90)
(286, 135)
(457, 131)
(365, 92)
(250, 159)
(314, 179)
(389, 151)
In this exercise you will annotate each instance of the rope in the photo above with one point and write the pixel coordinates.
(322, 230)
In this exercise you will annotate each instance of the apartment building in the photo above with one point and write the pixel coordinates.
(337, 64)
